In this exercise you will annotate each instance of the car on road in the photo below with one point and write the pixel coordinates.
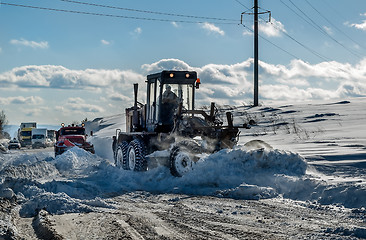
(14, 144)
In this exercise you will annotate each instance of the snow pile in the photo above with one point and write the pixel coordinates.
(249, 174)
(78, 181)
(76, 161)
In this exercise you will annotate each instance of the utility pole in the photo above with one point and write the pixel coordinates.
(255, 73)
(255, 53)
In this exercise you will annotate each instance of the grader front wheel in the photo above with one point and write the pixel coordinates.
(181, 162)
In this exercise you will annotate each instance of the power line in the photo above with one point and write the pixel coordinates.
(109, 15)
(322, 30)
(149, 12)
(310, 23)
(287, 35)
(292, 55)
(330, 22)
(302, 45)
(243, 5)
(290, 37)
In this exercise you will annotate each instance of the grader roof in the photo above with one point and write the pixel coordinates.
(173, 77)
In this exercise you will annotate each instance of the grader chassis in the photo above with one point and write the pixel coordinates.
(167, 130)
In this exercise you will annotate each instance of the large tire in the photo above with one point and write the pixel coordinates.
(257, 144)
(182, 157)
(120, 156)
(136, 155)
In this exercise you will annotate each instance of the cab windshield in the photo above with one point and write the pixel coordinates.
(38, 136)
(73, 131)
(26, 133)
(178, 93)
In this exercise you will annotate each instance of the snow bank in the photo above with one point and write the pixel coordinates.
(78, 181)
(76, 161)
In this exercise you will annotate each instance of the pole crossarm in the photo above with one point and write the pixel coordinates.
(250, 13)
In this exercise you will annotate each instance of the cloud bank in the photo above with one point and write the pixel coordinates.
(227, 83)
(108, 92)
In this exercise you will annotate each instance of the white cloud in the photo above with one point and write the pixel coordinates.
(172, 64)
(120, 97)
(105, 42)
(35, 112)
(137, 32)
(361, 26)
(32, 44)
(247, 33)
(20, 100)
(328, 30)
(175, 24)
(78, 106)
(76, 100)
(100, 90)
(272, 29)
(228, 83)
(211, 28)
(59, 77)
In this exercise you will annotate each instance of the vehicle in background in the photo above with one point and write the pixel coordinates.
(25, 133)
(72, 136)
(14, 144)
(39, 137)
(51, 137)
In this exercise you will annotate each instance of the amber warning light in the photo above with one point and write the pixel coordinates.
(198, 82)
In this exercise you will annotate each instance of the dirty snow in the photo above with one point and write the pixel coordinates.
(318, 157)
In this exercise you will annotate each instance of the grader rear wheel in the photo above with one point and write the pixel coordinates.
(136, 159)
(121, 155)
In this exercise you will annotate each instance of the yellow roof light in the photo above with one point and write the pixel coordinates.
(171, 75)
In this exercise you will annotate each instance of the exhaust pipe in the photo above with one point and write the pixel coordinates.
(229, 117)
(212, 112)
(135, 117)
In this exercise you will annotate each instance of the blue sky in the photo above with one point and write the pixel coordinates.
(59, 66)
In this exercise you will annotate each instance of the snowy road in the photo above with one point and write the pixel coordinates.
(232, 194)
(74, 197)
(141, 215)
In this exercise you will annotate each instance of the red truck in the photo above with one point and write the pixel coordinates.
(72, 136)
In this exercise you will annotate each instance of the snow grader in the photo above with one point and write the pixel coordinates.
(168, 130)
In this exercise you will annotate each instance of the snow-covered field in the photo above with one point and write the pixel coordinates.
(312, 184)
